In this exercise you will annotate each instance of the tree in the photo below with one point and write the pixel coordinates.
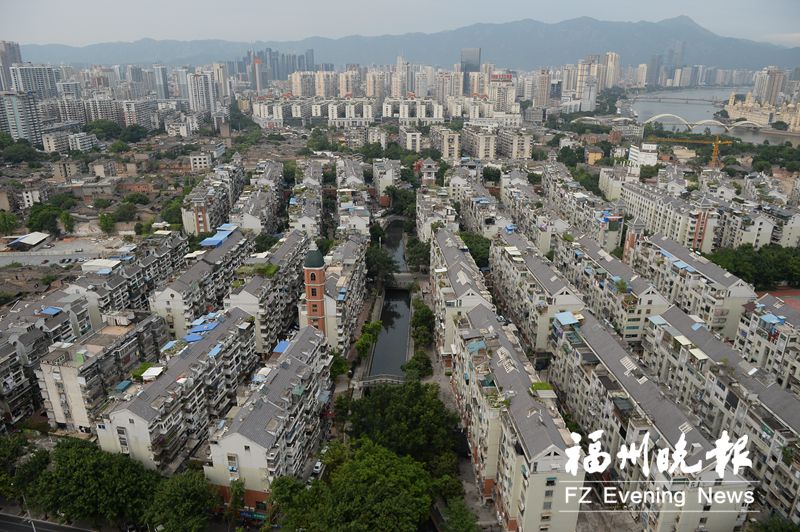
(44, 217)
(125, 212)
(264, 242)
(371, 489)
(775, 523)
(133, 133)
(459, 518)
(11, 449)
(102, 203)
(570, 156)
(490, 173)
(181, 503)
(418, 254)
(478, 246)
(8, 223)
(290, 172)
(236, 502)
(67, 221)
(338, 364)
(649, 171)
(410, 420)
(118, 147)
(103, 129)
(419, 367)
(120, 488)
(64, 201)
(107, 223)
(171, 213)
(136, 197)
(380, 265)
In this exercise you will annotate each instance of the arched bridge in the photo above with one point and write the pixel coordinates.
(646, 98)
(375, 380)
(707, 122)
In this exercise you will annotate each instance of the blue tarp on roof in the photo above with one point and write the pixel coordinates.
(51, 311)
(216, 240)
(477, 345)
(204, 327)
(566, 318)
(228, 227)
(199, 321)
(281, 347)
(666, 253)
(169, 345)
(658, 320)
(293, 201)
(122, 386)
(104, 271)
(772, 319)
(215, 350)
(697, 326)
(192, 338)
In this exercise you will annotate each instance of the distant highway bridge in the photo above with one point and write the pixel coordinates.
(676, 99)
(669, 118)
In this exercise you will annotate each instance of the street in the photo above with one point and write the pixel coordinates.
(13, 523)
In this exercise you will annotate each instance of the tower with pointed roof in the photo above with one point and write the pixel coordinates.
(314, 276)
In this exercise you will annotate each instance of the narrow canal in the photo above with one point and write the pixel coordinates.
(392, 347)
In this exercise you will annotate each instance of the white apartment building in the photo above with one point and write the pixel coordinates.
(768, 336)
(515, 433)
(611, 288)
(82, 141)
(692, 224)
(75, 378)
(268, 287)
(604, 388)
(447, 141)
(527, 288)
(434, 211)
(56, 142)
(456, 285)
(410, 139)
(514, 143)
(305, 203)
(385, 174)
(692, 282)
(727, 393)
(205, 284)
(479, 143)
(641, 155)
(161, 421)
(277, 428)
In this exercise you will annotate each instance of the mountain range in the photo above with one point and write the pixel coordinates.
(524, 44)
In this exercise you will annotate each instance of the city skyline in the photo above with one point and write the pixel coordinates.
(50, 22)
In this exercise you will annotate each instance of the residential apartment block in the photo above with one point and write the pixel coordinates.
(447, 141)
(527, 288)
(208, 204)
(514, 143)
(160, 422)
(275, 430)
(611, 288)
(456, 285)
(516, 436)
(604, 388)
(480, 143)
(203, 286)
(692, 282)
(334, 291)
(268, 286)
(433, 211)
(75, 378)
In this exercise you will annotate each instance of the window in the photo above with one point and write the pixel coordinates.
(707, 507)
(548, 493)
(313, 291)
(246, 447)
(312, 276)
(551, 481)
(703, 520)
(130, 420)
(547, 505)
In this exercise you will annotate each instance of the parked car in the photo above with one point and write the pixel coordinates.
(317, 468)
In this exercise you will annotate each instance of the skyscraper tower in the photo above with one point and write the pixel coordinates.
(470, 62)
(162, 85)
(9, 54)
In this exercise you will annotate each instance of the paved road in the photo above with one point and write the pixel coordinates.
(36, 260)
(13, 523)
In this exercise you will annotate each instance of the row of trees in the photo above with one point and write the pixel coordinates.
(765, 268)
(422, 323)
(401, 459)
(478, 246)
(79, 482)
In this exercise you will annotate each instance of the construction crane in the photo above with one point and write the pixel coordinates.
(714, 154)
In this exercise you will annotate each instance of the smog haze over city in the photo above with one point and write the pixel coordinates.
(452, 266)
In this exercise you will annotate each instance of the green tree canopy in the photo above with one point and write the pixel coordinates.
(44, 217)
(478, 246)
(103, 129)
(8, 222)
(182, 502)
(380, 265)
(136, 197)
(125, 212)
(107, 223)
(371, 489)
(67, 221)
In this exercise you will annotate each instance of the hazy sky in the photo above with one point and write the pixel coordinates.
(79, 22)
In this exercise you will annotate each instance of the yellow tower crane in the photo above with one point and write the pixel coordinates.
(714, 154)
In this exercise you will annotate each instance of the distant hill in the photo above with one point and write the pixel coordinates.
(524, 44)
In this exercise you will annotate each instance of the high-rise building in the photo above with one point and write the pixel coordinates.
(654, 70)
(202, 92)
(470, 62)
(38, 79)
(613, 69)
(773, 79)
(162, 85)
(589, 96)
(9, 54)
(221, 79)
(180, 81)
(542, 88)
(309, 56)
(19, 116)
